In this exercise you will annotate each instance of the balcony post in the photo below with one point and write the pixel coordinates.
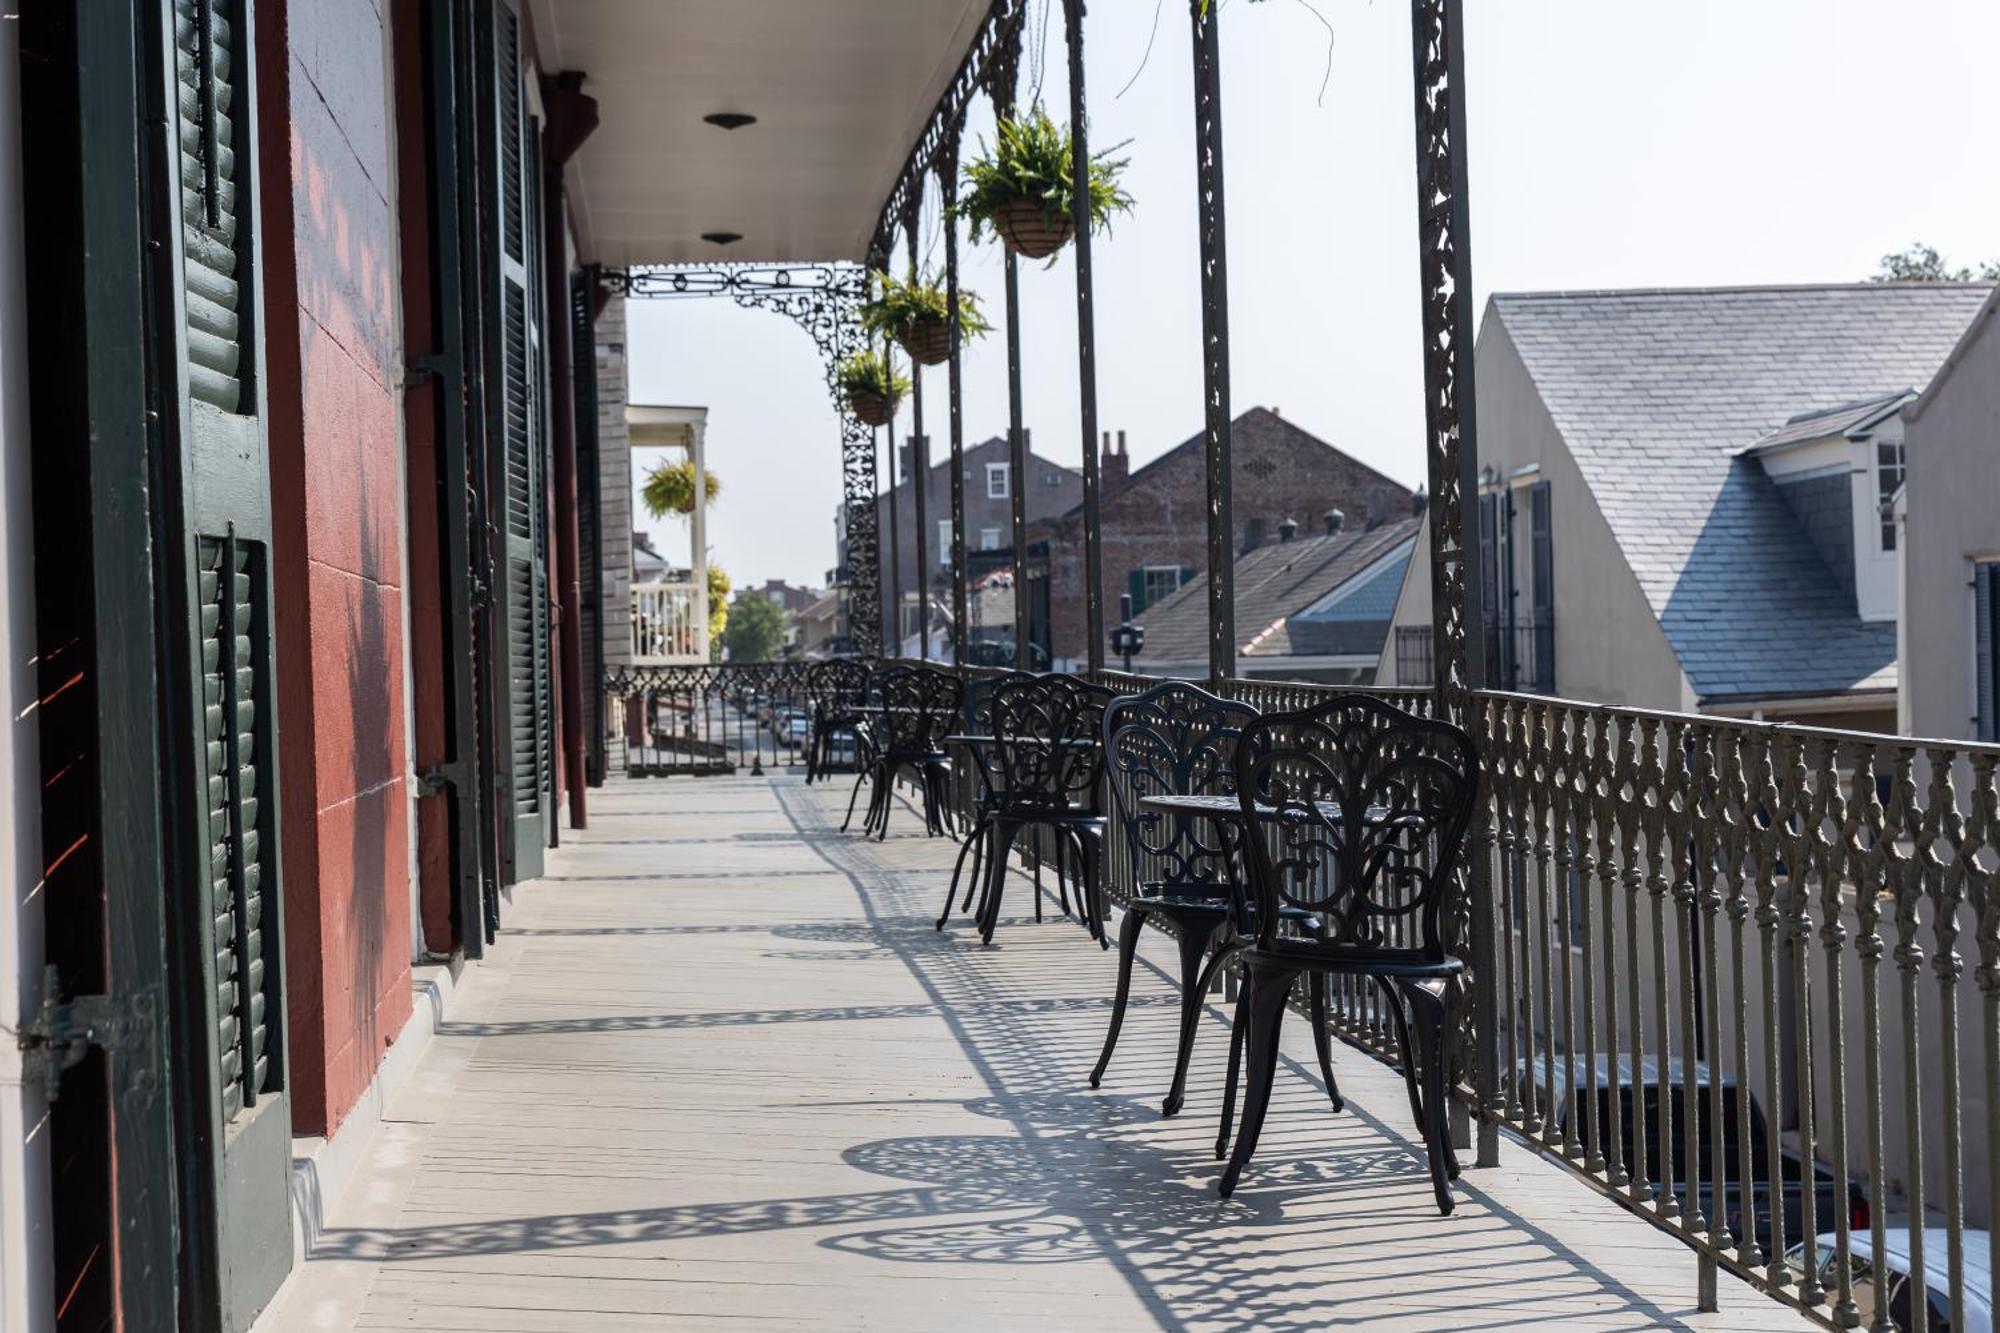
(698, 452)
(893, 640)
(1005, 75)
(1086, 354)
(920, 469)
(948, 182)
(1452, 457)
(1214, 335)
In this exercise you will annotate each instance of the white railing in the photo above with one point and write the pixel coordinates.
(669, 624)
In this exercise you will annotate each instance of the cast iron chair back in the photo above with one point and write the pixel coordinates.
(1371, 809)
(920, 707)
(1175, 740)
(838, 684)
(1045, 753)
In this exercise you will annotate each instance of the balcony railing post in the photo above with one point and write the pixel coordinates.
(1086, 354)
(948, 182)
(920, 470)
(1005, 73)
(1211, 220)
(1445, 260)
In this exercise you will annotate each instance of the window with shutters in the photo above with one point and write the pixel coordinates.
(1986, 650)
(1541, 675)
(231, 583)
(204, 42)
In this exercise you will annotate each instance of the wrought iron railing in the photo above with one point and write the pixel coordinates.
(1745, 976)
(710, 719)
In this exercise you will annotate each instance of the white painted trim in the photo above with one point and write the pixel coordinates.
(27, 1276)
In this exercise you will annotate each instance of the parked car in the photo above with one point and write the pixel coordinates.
(797, 727)
(1742, 1201)
(1895, 1261)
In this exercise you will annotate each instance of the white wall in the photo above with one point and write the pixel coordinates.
(1952, 490)
(1609, 645)
(25, 1263)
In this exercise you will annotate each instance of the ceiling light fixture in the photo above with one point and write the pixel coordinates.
(722, 237)
(730, 120)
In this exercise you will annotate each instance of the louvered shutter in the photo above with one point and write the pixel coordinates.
(515, 420)
(227, 736)
(1489, 581)
(1541, 558)
(1986, 688)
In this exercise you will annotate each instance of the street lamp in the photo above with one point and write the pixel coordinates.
(1127, 638)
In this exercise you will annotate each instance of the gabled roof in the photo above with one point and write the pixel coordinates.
(1272, 584)
(1656, 394)
(1247, 430)
(1846, 419)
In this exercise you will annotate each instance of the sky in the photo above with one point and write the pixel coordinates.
(1612, 143)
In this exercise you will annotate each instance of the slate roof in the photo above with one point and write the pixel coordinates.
(1657, 392)
(1272, 583)
(1832, 421)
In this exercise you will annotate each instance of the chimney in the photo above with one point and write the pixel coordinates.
(904, 457)
(1114, 468)
(1287, 529)
(1333, 519)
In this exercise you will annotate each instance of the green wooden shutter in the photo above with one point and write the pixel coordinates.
(227, 901)
(1135, 583)
(1985, 658)
(516, 417)
(1542, 586)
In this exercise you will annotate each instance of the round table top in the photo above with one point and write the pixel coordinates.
(1228, 807)
(987, 738)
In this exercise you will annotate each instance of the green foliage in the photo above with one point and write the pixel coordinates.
(872, 372)
(1922, 263)
(901, 306)
(669, 489)
(1031, 160)
(757, 628)
(718, 604)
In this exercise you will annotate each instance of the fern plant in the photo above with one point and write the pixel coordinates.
(872, 386)
(1026, 176)
(900, 306)
(669, 489)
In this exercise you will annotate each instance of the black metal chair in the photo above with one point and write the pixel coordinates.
(919, 708)
(1179, 740)
(1354, 812)
(1042, 772)
(837, 688)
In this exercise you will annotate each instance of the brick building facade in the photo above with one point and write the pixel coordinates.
(1155, 526)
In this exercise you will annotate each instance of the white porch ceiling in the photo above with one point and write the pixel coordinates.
(840, 88)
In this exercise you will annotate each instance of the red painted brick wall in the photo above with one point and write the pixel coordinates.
(334, 354)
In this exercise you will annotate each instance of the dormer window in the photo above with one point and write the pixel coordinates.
(1888, 480)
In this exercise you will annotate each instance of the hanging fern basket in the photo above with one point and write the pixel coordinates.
(928, 341)
(1029, 232)
(871, 409)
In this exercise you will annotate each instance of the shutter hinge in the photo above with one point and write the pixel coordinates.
(62, 1031)
(435, 779)
(432, 366)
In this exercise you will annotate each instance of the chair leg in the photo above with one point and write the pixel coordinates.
(859, 779)
(1092, 848)
(1392, 1000)
(1194, 980)
(1128, 945)
(1428, 1011)
(951, 891)
(1004, 833)
(1239, 1025)
(1270, 987)
(1323, 1036)
(885, 797)
(1038, 881)
(982, 830)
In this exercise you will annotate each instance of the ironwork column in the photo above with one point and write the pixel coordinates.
(1452, 457)
(1086, 354)
(1005, 75)
(895, 627)
(920, 467)
(948, 181)
(1214, 335)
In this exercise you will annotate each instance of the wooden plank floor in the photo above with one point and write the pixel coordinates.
(721, 1072)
